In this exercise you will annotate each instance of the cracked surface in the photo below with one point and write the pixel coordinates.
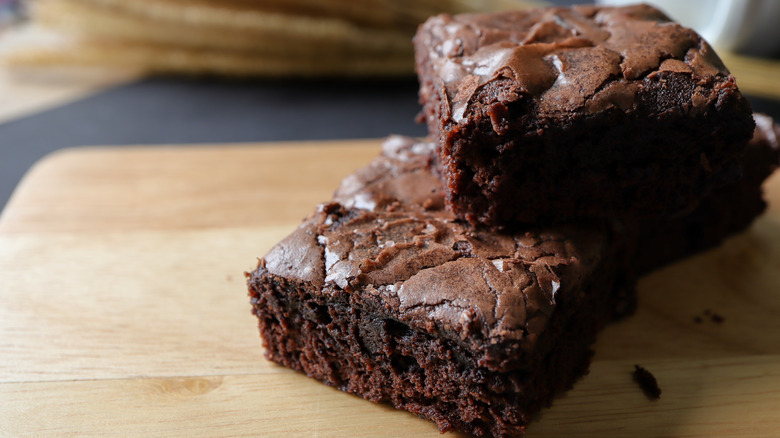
(551, 115)
(388, 237)
(565, 57)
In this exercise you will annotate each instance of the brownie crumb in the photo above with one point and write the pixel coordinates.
(647, 382)
(709, 315)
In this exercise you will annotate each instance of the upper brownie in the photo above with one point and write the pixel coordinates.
(562, 113)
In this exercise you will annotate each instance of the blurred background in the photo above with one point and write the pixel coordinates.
(118, 72)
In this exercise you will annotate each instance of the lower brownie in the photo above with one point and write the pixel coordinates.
(384, 294)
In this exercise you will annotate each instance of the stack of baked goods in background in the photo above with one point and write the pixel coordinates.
(465, 278)
(232, 37)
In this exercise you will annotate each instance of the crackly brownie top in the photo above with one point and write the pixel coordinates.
(579, 58)
(386, 237)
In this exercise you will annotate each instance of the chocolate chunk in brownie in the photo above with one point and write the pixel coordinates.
(551, 115)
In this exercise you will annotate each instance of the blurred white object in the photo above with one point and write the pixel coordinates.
(745, 26)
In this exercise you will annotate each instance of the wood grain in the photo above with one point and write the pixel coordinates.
(123, 310)
(283, 404)
(129, 304)
(728, 397)
(733, 397)
(175, 187)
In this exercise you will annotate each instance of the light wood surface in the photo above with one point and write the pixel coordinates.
(123, 310)
(177, 187)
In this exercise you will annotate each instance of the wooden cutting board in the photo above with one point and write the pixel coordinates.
(123, 310)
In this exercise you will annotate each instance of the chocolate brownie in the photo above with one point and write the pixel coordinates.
(726, 211)
(551, 115)
(384, 294)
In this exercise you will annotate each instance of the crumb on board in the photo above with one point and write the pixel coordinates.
(709, 315)
(647, 382)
